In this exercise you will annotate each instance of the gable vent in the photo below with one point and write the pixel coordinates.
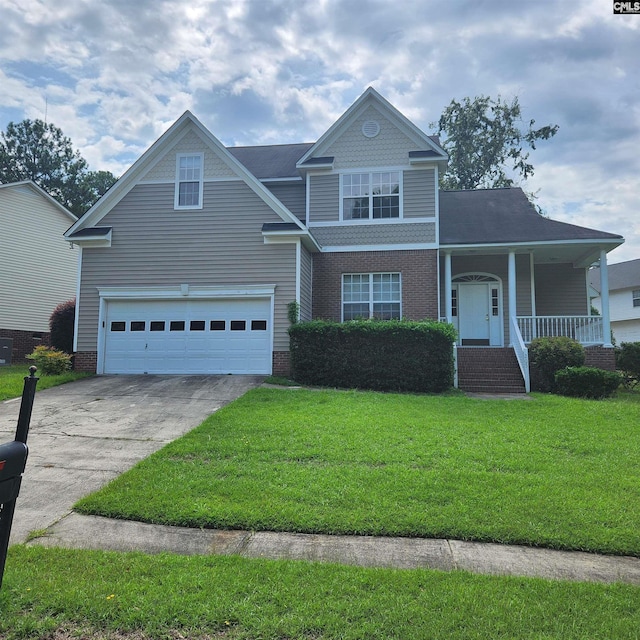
(370, 129)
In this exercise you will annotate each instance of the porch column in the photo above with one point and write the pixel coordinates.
(447, 287)
(512, 291)
(604, 299)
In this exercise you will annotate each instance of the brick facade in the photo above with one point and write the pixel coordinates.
(600, 357)
(24, 342)
(86, 361)
(419, 280)
(281, 363)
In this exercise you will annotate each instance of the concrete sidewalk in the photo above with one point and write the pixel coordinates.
(91, 532)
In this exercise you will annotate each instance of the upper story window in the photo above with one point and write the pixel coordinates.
(636, 297)
(188, 181)
(371, 196)
(371, 295)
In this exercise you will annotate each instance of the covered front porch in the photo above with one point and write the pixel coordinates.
(504, 297)
(509, 274)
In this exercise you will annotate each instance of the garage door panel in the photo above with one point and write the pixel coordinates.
(188, 336)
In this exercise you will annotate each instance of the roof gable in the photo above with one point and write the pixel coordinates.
(155, 161)
(362, 117)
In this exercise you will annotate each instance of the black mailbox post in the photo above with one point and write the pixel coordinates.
(13, 459)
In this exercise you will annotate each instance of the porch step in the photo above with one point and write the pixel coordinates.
(489, 370)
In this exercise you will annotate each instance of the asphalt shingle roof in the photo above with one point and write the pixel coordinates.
(271, 161)
(624, 275)
(489, 216)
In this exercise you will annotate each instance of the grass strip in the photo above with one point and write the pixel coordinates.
(94, 594)
(12, 380)
(552, 472)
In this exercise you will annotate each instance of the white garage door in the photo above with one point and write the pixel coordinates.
(188, 336)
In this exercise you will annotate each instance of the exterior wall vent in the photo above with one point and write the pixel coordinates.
(370, 129)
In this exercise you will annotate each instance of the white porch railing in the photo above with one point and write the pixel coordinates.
(522, 353)
(584, 329)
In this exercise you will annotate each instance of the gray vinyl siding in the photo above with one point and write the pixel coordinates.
(380, 234)
(221, 244)
(305, 285)
(324, 198)
(419, 193)
(292, 196)
(561, 290)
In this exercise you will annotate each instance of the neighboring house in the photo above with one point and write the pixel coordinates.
(190, 260)
(38, 268)
(624, 299)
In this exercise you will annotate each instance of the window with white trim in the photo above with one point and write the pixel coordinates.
(371, 295)
(371, 196)
(635, 296)
(188, 181)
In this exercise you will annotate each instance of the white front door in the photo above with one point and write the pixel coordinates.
(477, 310)
(474, 310)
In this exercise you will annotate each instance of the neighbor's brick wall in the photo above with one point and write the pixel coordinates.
(281, 363)
(600, 357)
(85, 361)
(24, 342)
(419, 280)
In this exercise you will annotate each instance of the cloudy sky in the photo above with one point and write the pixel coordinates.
(114, 74)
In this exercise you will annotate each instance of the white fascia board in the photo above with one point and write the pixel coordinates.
(379, 247)
(533, 244)
(386, 109)
(186, 291)
(91, 241)
(284, 237)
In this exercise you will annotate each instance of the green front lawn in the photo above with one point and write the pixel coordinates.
(551, 471)
(62, 594)
(12, 380)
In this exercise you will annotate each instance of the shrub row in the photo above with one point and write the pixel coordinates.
(379, 355)
(587, 382)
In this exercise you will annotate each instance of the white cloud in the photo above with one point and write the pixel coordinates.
(115, 74)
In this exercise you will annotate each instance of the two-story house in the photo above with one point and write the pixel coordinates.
(624, 299)
(190, 261)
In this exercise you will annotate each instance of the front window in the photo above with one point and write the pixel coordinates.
(188, 181)
(371, 295)
(635, 295)
(371, 196)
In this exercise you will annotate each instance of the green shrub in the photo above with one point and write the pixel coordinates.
(50, 361)
(587, 382)
(628, 361)
(549, 355)
(382, 355)
(61, 323)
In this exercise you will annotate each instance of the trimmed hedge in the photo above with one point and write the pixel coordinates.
(628, 361)
(381, 355)
(587, 382)
(50, 362)
(61, 324)
(549, 355)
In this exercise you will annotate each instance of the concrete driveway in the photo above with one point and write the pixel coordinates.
(85, 433)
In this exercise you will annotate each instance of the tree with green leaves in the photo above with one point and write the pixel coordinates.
(39, 151)
(487, 142)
